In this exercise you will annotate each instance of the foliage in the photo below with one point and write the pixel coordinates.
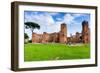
(30, 41)
(32, 25)
(26, 36)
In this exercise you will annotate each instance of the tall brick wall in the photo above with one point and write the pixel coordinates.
(36, 38)
(45, 37)
(60, 37)
(63, 34)
(85, 32)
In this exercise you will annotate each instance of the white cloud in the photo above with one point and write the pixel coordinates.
(53, 13)
(45, 20)
(77, 15)
(47, 23)
(54, 28)
(59, 19)
(68, 18)
(48, 19)
(29, 33)
(42, 19)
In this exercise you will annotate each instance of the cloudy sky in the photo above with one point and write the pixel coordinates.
(50, 21)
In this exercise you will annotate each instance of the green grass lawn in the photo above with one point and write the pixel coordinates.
(41, 52)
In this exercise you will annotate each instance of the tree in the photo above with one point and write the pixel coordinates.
(31, 25)
(26, 36)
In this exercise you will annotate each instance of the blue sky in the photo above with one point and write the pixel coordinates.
(50, 21)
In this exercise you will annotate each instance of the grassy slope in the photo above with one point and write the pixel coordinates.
(36, 52)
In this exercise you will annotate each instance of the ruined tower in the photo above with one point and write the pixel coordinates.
(85, 32)
(63, 34)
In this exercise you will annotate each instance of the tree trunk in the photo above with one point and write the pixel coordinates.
(32, 32)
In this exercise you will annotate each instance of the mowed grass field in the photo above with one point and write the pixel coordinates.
(42, 52)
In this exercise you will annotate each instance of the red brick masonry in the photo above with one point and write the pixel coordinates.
(61, 36)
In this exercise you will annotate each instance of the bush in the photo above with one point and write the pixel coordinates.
(26, 36)
(30, 41)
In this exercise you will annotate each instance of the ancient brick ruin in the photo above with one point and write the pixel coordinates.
(61, 36)
(85, 32)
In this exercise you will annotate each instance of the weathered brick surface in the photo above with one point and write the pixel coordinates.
(85, 32)
(61, 36)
